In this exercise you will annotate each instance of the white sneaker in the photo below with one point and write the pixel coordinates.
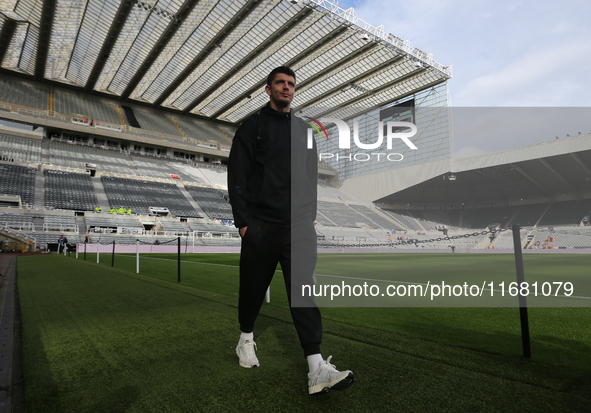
(328, 378)
(246, 354)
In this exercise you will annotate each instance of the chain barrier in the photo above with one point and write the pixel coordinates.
(98, 242)
(160, 242)
(418, 241)
(326, 244)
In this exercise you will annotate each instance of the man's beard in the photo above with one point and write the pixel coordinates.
(281, 104)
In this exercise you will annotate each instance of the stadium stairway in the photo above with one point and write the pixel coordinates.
(101, 195)
(190, 199)
(327, 218)
(38, 223)
(131, 162)
(386, 217)
(201, 175)
(482, 245)
(39, 189)
(81, 230)
(368, 219)
(45, 151)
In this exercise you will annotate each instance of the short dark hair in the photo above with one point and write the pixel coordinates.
(281, 69)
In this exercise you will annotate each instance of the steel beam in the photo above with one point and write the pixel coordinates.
(290, 63)
(302, 14)
(47, 17)
(169, 32)
(114, 31)
(8, 29)
(213, 44)
(533, 180)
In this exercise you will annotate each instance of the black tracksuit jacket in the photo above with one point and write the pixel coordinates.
(272, 176)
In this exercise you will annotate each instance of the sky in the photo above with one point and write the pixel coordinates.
(510, 54)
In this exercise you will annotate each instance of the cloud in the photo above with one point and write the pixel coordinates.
(504, 53)
(544, 77)
(500, 128)
(467, 151)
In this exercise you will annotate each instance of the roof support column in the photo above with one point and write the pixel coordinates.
(8, 29)
(47, 14)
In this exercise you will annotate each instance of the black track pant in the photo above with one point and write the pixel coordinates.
(264, 245)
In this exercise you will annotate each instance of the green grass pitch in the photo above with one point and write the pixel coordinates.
(97, 338)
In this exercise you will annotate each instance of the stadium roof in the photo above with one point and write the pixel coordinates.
(545, 172)
(210, 58)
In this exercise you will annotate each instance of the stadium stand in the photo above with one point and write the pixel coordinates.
(323, 220)
(18, 180)
(155, 121)
(23, 93)
(339, 221)
(147, 165)
(567, 237)
(69, 190)
(139, 195)
(216, 175)
(347, 235)
(44, 238)
(341, 214)
(221, 242)
(62, 223)
(156, 168)
(211, 227)
(93, 109)
(426, 224)
(405, 218)
(505, 240)
(21, 222)
(20, 149)
(105, 239)
(375, 220)
(213, 202)
(78, 156)
(187, 172)
(526, 215)
(174, 226)
(110, 222)
(202, 131)
(228, 132)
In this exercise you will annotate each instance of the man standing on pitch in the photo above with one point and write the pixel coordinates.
(272, 179)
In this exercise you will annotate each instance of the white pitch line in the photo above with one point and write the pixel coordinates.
(190, 262)
(195, 262)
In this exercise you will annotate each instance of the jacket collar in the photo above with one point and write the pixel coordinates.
(268, 110)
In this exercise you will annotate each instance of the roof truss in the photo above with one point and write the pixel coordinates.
(47, 16)
(218, 39)
(123, 48)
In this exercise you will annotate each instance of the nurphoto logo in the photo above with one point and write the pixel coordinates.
(345, 139)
